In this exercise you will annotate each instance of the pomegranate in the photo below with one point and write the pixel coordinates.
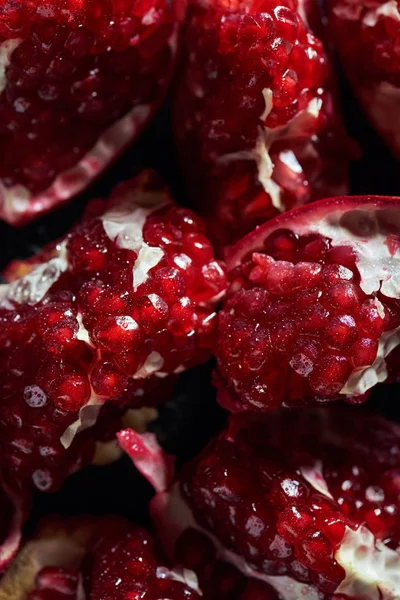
(94, 559)
(304, 501)
(312, 313)
(366, 35)
(78, 81)
(125, 300)
(281, 143)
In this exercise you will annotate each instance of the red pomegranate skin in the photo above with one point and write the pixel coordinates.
(127, 299)
(312, 311)
(78, 81)
(255, 120)
(366, 36)
(287, 498)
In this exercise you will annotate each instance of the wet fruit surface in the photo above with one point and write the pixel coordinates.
(249, 156)
(312, 496)
(123, 566)
(95, 559)
(312, 310)
(366, 35)
(122, 302)
(71, 73)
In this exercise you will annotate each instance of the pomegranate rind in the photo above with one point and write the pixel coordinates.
(303, 218)
(365, 35)
(370, 227)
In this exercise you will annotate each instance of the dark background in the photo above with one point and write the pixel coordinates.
(191, 417)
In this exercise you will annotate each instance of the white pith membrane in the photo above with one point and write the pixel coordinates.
(267, 136)
(388, 9)
(17, 200)
(124, 226)
(372, 569)
(149, 458)
(185, 576)
(6, 49)
(51, 551)
(32, 287)
(314, 476)
(366, 230)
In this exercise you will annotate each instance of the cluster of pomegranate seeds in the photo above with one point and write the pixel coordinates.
(254, 120)
(301, 323)
(69, 72)
(289, 495)
(366, 35)
(104, 558)
(127, 299)
(123, 566)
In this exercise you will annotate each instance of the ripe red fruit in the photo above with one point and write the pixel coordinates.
(305, 501)
(95, 559)
(366, 35)
(78, 81)
(313, 308)
(100, 318)
(255, 121)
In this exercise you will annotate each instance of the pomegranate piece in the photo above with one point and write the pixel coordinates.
(313, 308)
(95, 559)
(250, 156)
(366, 35)
(125, 300)
(78, 81)
(305, 501)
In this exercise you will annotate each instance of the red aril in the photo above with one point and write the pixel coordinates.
(95, 559)
(312, 313)
(97, 318)
(255, 120)
(304, 501)
(78, 81)
(367, 37)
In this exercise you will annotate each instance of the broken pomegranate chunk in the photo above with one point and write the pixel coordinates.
(255, 121)
(305, 501)
(78, 81)
(95, 559)
(125, 300)
(367, 37)
(313, 308)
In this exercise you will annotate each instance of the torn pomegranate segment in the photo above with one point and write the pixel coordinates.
(78, 81)
(95, 559)
(125, 300)
(255, 120)
(367, 37)
(304, 501)
(312, 313)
